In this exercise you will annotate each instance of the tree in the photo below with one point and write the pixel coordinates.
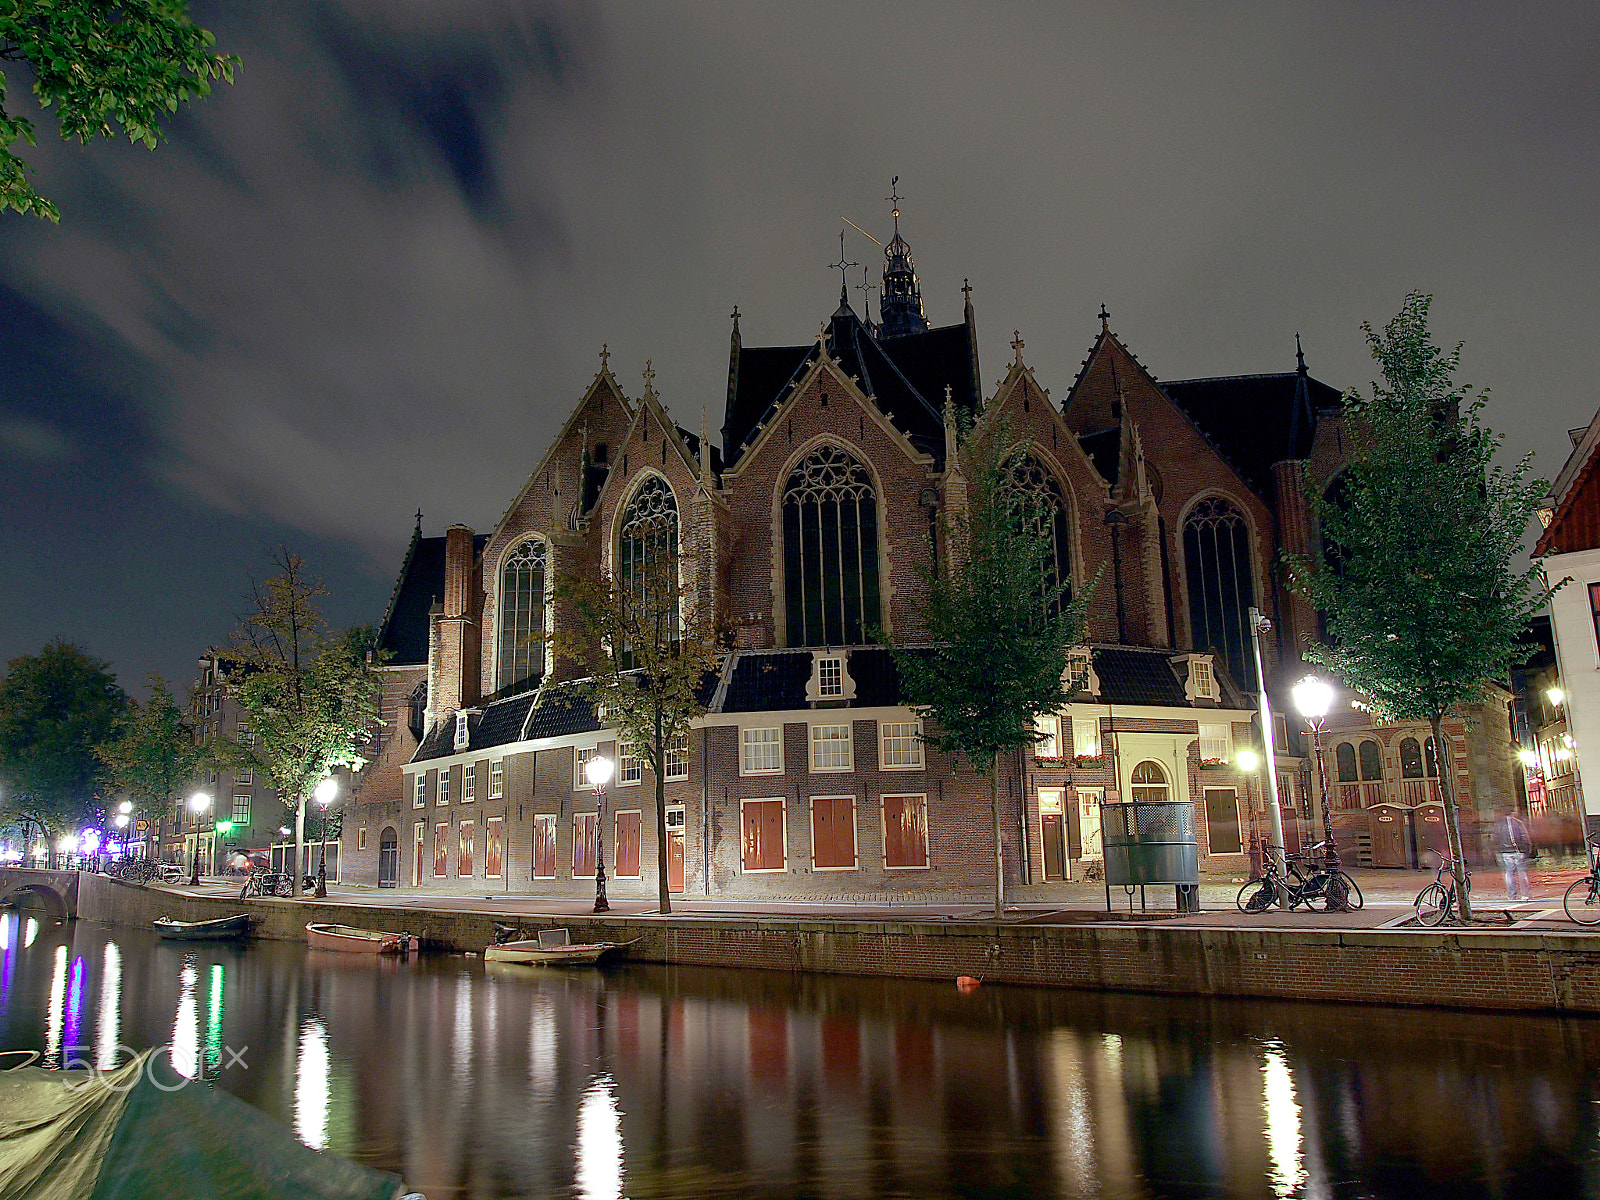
(154, 753)
(647, 660)
(56, 707)
(1002, 631)
(122, 62)
(1423, 604)
(310, 694)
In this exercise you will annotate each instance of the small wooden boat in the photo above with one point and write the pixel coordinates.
(203, 931)
(350, 940)
(552, 948)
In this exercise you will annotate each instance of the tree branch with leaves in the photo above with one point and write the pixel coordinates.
(155, 753)
(1424, 602)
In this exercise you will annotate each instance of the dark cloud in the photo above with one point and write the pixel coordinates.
(372, 274)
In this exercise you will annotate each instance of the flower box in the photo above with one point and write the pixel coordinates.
(1214, 764)
(1086, 761)
(1046, 760)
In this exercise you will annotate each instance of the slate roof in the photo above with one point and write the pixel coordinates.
(404, 633)
(499, 724)
(905, 376)
(775, 680)
(1256, 420)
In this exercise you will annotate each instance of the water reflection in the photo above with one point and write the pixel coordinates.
(656, 1083)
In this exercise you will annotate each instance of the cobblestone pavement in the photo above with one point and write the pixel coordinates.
(1388, 894)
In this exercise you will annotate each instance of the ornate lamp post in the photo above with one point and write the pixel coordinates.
(326, 791)
(598, 772)
(1313, 697)
(198, 803)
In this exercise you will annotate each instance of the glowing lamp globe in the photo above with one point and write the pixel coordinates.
(326, 791)
(199, 802)
(1313, 697)
(1248, 760)
(598, 771)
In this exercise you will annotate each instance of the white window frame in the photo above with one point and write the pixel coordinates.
(830, 677)
(1217, 744)
(237, 819)
(630, 767)
(1086, 737)
(783, 808)
(442, 798)
(897, 732)
(677, 751)
(246, 737)
(361, 838)
(581, 755)
(747, 743)
(1049, 746)
(420, 790)
(469, 783)
(497, 779)
(245, 777)
(463, 733)
(831, 744)
(855, 831)
(1203, 678)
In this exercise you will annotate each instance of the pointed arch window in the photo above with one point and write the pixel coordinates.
(524, 614)
(1216, 561)
(1032, 483)
(647, 551)
(830, 551)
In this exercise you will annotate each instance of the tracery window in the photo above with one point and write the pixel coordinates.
(647, 550)
(1031, 482)
(1371, 760)
(830, 551)
(1418, 759)
(1216, 559)
(523, 614)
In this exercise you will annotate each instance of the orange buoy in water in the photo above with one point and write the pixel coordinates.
(966, 983)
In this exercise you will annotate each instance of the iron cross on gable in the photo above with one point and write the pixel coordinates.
(605, 357)
(1017, 343)
(842, 266)
(649, 375)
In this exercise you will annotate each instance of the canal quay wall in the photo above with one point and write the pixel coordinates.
(1470, 969)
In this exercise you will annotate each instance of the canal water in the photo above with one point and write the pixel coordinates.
(639, 1081)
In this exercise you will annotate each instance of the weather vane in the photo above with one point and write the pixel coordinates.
(842, 266)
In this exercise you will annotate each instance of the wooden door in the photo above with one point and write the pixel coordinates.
(388, 858)
(1389, 838)
(419, 840)
(675, 821)
(1052, 835)
(1222, 821)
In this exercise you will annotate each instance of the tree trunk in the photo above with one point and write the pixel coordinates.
(661, 820)
(999, 856)
(1445, 757)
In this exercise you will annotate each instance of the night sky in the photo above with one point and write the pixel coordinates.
(374, 275)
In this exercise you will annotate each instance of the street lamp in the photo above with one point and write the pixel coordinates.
(198, 803)
(326, 791)
(1313, 697)
(598, 772)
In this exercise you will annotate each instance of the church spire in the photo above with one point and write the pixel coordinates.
(900, 306)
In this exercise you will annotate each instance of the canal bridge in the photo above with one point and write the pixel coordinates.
(57, 891)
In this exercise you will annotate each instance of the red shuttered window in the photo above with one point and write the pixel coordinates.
(493, 847)
(465, 868)
(833, 832)
(583, 850)
(544, 846)
(627, 845)
(441, 849)
(763, 835)
(905, 831)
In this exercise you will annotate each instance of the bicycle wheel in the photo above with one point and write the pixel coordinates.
(1582, 901)
(1257, 896)
(1353, 897)
(285, 888)
(245, 892)
(1433, 904)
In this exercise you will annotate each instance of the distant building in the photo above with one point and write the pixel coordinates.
(1570, 543)
(802, 535)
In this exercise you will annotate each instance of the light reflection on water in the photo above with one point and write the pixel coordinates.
(648, 1082)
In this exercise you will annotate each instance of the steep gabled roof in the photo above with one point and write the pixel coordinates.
(1255, 420)
(499, 724)
(404, 632)
(905, 377)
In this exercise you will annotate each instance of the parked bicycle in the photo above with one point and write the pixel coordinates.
(1313, 881)
(1582, 900)
(1437, 902)
(267, 883)
(132, 870)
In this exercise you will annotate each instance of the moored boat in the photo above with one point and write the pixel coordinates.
(203, 931)
(351, 940)
(552, 948)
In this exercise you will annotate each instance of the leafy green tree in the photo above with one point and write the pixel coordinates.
(646, 660)
(1002, 637)
(154, 754)
(1423, 602)
(101, 63)
(56, 707)
(310, 694)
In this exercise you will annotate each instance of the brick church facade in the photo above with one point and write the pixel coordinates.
(802, 535)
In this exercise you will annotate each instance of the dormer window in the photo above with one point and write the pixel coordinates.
(1080, 673)
(1203, 681)
(462, 733)
(830, 684)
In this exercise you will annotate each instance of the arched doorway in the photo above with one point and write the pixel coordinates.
(389, 858)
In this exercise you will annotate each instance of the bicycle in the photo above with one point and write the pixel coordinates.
(1582, 900)
(267, 883)
(1325, 888)
(1436, 902)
